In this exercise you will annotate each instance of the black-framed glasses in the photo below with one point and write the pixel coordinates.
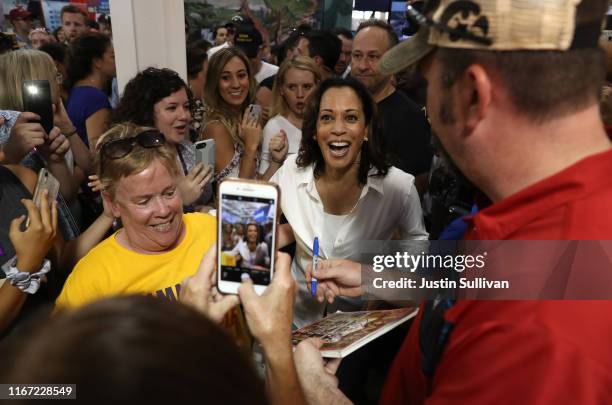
(421, 19)
(156, 72)
(119, 148)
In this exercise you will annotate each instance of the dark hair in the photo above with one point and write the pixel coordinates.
(72, 9)
(371, 151)
(383, 25)
(56, 32)
(325, 44)
(56, 50)
(138, 348)
(195, 60)
(7, 43)
(217, 29)
(145, 90)
(104, 19)
(201, 44)
(93, 24)
(542, 85)
(344, 32)
(82, 53)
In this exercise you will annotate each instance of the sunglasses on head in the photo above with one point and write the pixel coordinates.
(420, 19)
(119, 148)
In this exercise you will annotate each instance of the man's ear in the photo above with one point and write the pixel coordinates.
(108, 202)
(476, 95)
(318, 60)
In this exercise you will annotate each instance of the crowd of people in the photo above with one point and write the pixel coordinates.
(119, 272)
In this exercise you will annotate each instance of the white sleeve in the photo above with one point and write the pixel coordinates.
(412, 225)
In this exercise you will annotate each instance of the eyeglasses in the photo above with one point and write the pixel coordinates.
(428, 22)
(155, 72)
(119, 148)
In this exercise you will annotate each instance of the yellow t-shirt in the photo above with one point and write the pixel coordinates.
(111, 269)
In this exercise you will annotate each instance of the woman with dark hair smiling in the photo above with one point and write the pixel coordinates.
(340, 190)
(160, 98)
(91, 67)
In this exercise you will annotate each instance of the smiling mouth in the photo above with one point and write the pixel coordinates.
(339, 148)
(235, 93)
(164, 226)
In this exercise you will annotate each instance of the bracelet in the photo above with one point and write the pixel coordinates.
(26, 282)
(280, 162)
(71, 133)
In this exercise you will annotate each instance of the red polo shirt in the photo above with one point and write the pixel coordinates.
(525, 352)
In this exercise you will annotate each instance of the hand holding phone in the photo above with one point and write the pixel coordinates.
(36, 96)
(246, 219)
(250, 129)
(205, 152)
(254, 112)
(46, 183)
(33, 244)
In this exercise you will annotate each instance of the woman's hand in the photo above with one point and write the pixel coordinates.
(32, 245)
(279, 146)
(26, 134)
(269, 315)
(95, 184)
(56, 147)
(61, 118)
(200, 290)
(192, 185)
(250, 132)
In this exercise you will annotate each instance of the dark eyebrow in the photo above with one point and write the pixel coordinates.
(351, 110)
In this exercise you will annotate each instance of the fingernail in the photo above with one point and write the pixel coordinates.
(245, 276)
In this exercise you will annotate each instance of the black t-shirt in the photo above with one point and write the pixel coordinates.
(406, 133)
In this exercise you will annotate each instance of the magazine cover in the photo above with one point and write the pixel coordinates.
(345, 332)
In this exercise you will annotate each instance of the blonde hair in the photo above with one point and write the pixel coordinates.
(279, 105)
(111, 171)
(20, 65)
(217, 108)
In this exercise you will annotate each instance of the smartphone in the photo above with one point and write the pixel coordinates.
(205, 152)
(254, 111)
(36, 96)
(246, 234)
(46, 181)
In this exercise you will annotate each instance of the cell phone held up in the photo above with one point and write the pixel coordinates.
(205, 152)
(46, 181)
(36, 96)
(254, 111)
(246, 234)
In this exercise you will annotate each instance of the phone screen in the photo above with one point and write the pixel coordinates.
(247, 237)
(37, 99)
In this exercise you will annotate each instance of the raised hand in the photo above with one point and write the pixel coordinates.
(26, 134)
(279, 146)
(192, 185)
(33, 244)
(250, 132)
(200, 290)
(269, 316)
(335, 278)
(56, 147)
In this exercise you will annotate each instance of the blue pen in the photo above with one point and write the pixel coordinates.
(315, 260)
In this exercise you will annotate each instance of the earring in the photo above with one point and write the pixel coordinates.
(365, 139)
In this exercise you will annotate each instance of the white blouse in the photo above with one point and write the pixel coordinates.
(386, 204)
